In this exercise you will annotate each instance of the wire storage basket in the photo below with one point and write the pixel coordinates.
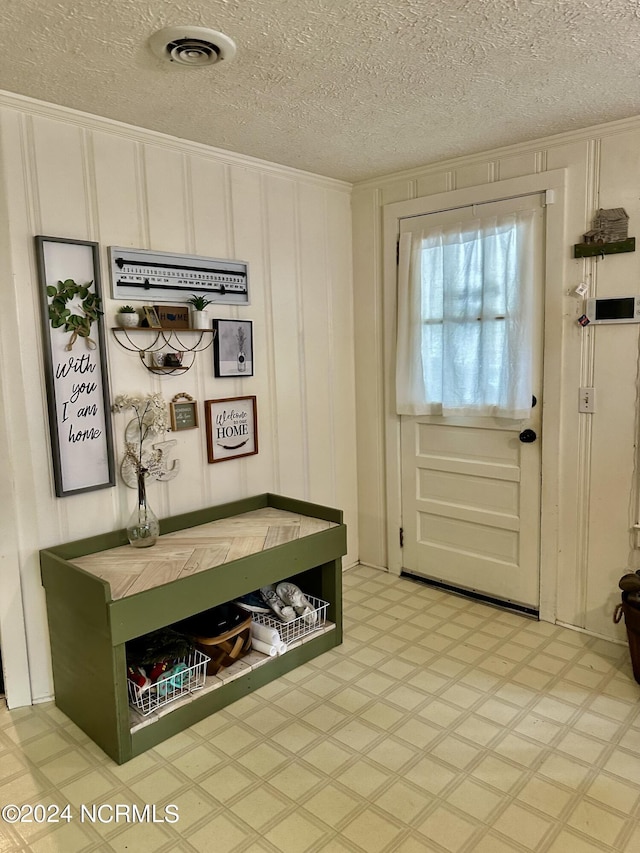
(186, 675)
(300, 626)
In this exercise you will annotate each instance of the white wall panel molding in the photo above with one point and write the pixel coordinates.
(287, 334)
(541, 160)
(13, 638)
(583, 492)
(438, 182)
(89, 175)
(585, 422)
(339, 273)
(187, 180)
(612, 548)
(335, 371)
(483, 157)
(317, 311)
(61, 182)
(35, 107)
(85, 178)
(29, 172)
(472, 174)
(271, 416)
(303, 391)
(142, 207)
(593, 179)
(369, 358)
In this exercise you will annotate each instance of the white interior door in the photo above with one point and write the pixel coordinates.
(471, 486)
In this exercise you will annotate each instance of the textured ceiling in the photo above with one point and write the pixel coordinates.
(345, 88)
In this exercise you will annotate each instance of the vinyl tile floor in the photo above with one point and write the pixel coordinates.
(440, 725)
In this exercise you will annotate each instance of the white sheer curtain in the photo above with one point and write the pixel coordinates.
(465, 321)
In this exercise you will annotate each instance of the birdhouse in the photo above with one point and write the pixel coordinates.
(609, 226)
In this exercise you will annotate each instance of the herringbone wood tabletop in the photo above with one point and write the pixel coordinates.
(130, 570)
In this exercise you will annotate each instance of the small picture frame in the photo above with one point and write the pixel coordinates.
(184, 412)
(173, 316)
(151, 317)
(232, 348)
(232, 428)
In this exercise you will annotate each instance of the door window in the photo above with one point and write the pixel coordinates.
(465, 306)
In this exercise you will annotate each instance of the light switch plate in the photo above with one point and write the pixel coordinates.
(587, 401)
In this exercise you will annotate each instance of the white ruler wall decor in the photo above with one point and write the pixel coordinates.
(140, 274)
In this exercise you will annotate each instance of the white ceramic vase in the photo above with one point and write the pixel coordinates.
(199, 320)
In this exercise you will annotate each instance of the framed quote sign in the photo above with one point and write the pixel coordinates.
(184, 412)
(232, 428)
(75, 365)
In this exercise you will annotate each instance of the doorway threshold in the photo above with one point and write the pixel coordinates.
(511, 606)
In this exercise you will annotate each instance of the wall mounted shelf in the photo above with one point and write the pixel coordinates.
(166, 340)
(590, 250)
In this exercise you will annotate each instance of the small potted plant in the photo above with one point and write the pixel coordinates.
(198, 313)
(127, 316)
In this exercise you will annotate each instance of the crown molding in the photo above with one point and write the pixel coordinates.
(56, 112)
(530, 146)
(43, 109)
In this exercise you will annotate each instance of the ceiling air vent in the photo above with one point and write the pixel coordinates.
(193, 47)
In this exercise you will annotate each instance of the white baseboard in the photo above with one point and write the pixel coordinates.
(591, 633)
(371, 566)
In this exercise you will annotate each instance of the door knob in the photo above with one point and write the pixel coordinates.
(527, 436)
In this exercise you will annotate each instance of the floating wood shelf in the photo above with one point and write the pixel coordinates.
(590, 250)
(166, 370)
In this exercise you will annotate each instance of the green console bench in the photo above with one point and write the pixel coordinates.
(102, 592)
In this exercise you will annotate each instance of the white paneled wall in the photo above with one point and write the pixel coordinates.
(69, 175)
(598, 472)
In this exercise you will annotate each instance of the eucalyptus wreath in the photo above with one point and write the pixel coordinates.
(60, 314)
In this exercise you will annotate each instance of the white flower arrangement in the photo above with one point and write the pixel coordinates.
(151, 417)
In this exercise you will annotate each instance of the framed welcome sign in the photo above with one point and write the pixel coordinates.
(75, 365)
(232, 428)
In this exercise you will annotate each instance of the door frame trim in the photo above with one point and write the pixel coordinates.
(555, 255)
